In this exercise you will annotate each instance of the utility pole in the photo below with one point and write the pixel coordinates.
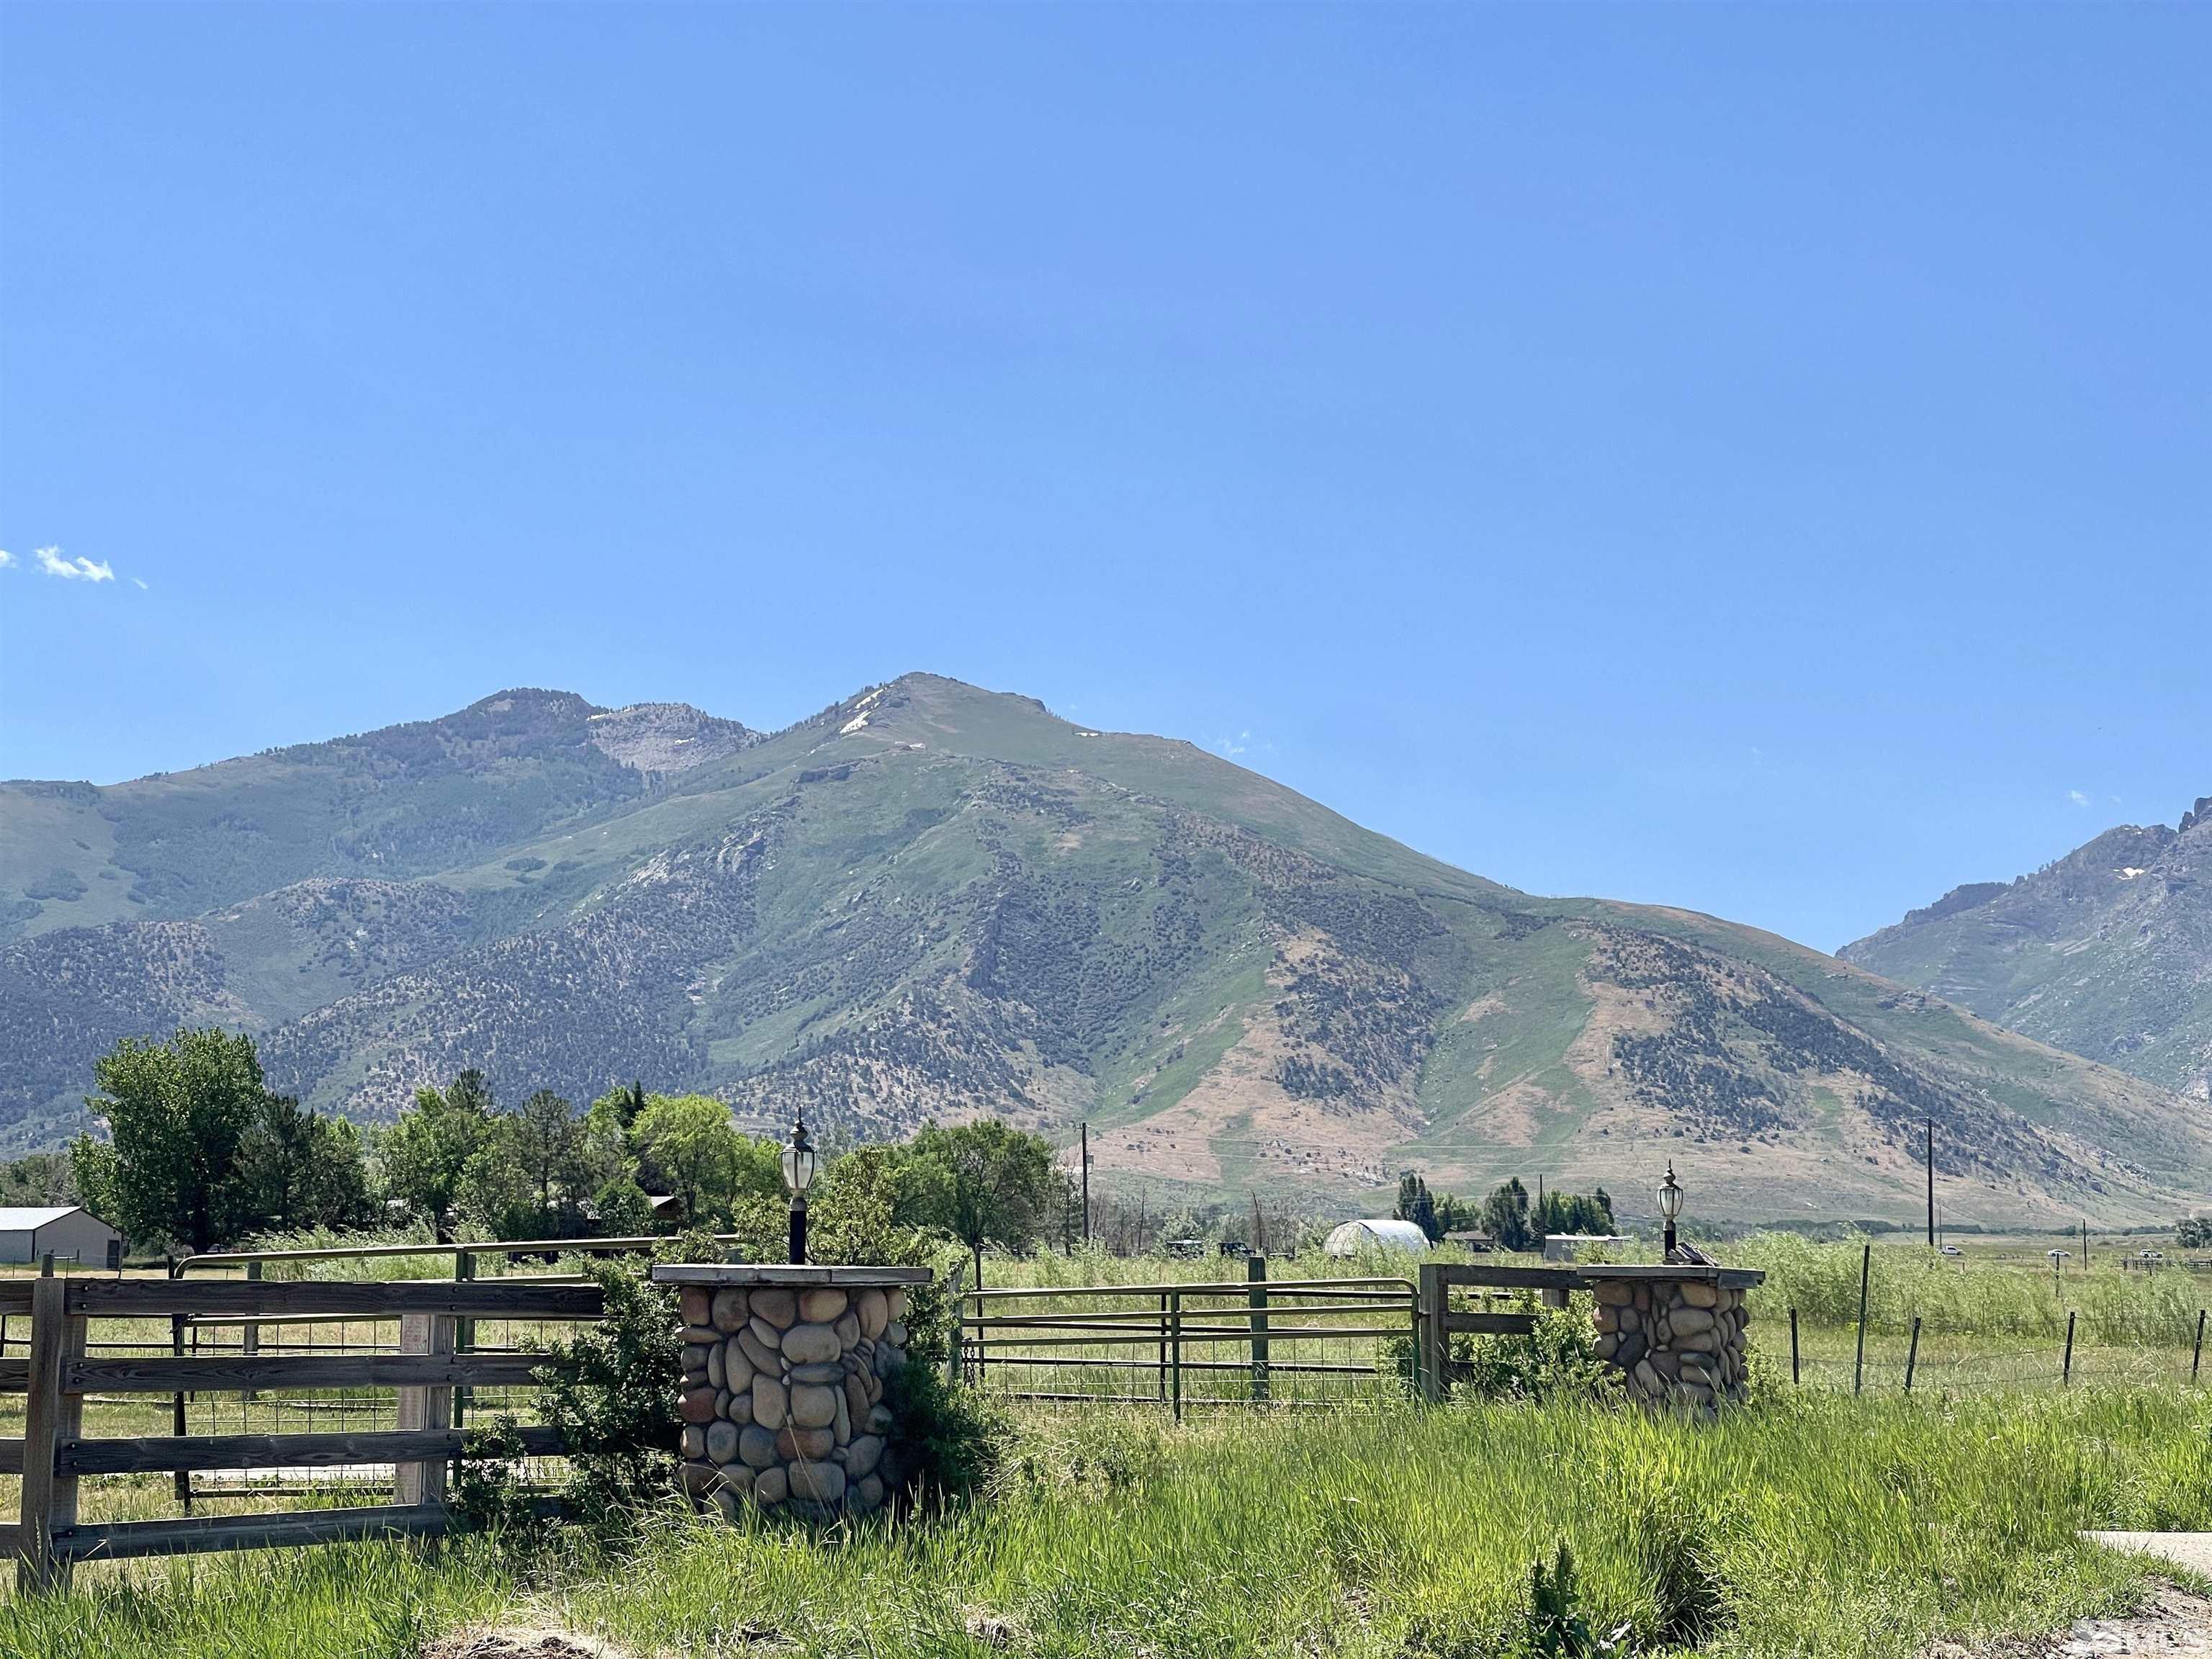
(1931, 1183)
(1086, 1184)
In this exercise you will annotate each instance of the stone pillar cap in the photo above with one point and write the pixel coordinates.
(1732, 1278)
(747, 1272)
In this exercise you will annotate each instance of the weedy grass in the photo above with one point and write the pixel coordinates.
(1969, 1296)
(1809, 1524)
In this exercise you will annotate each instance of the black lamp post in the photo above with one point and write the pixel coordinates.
(799, 1176)
(1671, 1204)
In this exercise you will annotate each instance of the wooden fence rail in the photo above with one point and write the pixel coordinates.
(52, 1453)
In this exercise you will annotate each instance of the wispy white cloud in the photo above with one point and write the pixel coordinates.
(6, 558)
(79, 569)
(138, 582)
(1244, 743)
(2077, 797)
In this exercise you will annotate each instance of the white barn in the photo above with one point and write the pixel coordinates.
(69, 1231)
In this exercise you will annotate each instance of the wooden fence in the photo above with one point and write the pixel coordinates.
(62, 1370)
(1441, 1320)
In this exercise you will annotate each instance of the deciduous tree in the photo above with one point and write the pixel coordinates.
(985, 1182)
(689, 1142)
(176, 1112)
(424, 1156)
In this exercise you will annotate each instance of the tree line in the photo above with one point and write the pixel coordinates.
(200, 1152)
(1506, 1215)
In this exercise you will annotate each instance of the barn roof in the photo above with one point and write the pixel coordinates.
(29, 1220)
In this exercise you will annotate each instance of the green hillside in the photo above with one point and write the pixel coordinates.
(931, 900)
(2107, 952)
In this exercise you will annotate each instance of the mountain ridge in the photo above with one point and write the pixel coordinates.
(2105, 951)
(927, 899)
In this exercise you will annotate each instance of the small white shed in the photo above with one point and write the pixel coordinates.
(69, 1231)
(1354, 1237)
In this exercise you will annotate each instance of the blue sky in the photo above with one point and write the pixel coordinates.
(1756, 460)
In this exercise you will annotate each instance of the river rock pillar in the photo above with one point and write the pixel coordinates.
(1676, 1332)
(784, 1375)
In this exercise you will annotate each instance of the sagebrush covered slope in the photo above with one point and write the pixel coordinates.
(2107, 952)
(931, 900)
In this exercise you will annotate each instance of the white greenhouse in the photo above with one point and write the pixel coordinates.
(1358, 1237)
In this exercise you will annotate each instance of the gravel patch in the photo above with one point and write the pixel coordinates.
(2172, 1624)
(508, 1642)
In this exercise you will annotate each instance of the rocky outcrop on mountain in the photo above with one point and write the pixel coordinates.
(663, 739)
(1958, 899)
(2107, 952)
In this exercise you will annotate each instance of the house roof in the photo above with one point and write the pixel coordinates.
(29, 1220)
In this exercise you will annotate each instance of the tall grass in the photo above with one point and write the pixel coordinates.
(1967, 1296)
(1814, 1525)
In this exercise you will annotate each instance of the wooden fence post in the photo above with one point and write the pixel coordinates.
(249, 1338)
(1913, 1354)
(465, 1330)
(1795, 1378)
(1432, 1355)
(182, 1481)
(2196, 1358)
(1417, 1337)
(423, 1406)
(1256, 1276)
(2066, 1366)
(956, 1294)
(51, 1419)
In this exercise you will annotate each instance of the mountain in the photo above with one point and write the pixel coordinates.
(2107, 952)
(932, 900)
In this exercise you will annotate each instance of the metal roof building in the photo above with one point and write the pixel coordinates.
(69, 1231)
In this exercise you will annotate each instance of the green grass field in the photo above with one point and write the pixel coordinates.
(1812, 1522)
(1813, 1525)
